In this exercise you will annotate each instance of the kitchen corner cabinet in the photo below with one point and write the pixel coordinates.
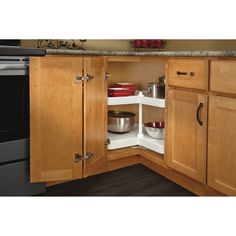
(67, 128)
(186, 133)
(221, 144)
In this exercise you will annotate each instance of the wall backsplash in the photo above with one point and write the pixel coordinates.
(55, 44)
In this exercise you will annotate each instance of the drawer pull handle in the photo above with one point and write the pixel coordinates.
(198, 110)
(185, 73)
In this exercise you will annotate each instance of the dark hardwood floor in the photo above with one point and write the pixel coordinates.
(135, 180)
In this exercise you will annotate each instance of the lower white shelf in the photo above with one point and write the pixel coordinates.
(131, 139)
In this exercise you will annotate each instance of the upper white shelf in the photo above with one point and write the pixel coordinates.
(138, 99)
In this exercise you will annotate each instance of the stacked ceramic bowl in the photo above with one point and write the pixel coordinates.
(122, 89)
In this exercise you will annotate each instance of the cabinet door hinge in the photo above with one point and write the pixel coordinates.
(107, 75)
(107, 142)
(83, 78)
(79, 157)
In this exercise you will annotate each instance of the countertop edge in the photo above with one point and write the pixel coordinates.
(133, 53)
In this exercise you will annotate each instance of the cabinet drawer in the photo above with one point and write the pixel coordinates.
(223, 76)
(188, 73)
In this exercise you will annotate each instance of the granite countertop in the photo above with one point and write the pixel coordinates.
(147, 53)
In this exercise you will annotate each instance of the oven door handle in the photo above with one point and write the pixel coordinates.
(14, 66)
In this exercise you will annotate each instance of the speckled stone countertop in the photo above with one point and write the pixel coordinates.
(150, 53)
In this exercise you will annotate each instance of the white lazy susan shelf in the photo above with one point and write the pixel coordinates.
(138, 136)
(132, 139)
(138, 99)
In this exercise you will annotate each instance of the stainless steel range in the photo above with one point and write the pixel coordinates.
(14, 126)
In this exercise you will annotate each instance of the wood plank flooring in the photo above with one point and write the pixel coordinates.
(135, 180)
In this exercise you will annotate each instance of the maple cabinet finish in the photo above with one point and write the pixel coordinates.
(188, 73)
(186, 138)
(221, 144)
(223, 76)
(62, 110)
(95, 116)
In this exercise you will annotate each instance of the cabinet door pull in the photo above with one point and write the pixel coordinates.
(198, 110)
(185, 73)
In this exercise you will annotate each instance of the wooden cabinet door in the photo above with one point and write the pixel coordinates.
(95, 116)
(186, 138)
(223, 76)
(55, 118)
(221, 144)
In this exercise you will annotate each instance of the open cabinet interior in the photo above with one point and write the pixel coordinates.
(146, 109)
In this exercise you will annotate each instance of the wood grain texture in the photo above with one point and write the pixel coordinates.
(181, 179)
(165, 112)
(55, 118)
(95, 116)
(198, 66)
(123, 162)
(186, 146)
(138, 72)
(154, 157)
(221, 145)
(120, 153)
(135, 59)
(223, 76)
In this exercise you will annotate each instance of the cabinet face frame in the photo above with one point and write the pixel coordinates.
(187, 156)
(95, 116)
(221, 144)
(138, 70)
(55, 118)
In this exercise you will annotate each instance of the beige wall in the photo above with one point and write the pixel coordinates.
(172, 45)
(185, 45)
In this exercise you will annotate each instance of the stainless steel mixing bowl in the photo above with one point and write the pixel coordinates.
(120, 121)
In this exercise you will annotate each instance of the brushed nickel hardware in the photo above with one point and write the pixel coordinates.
(107, 142)
(78, 78)
(88, 77)
(107, 75)
(88, 155)
(197, 114)
(185, 73)
(79, 157)
(83, 78)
